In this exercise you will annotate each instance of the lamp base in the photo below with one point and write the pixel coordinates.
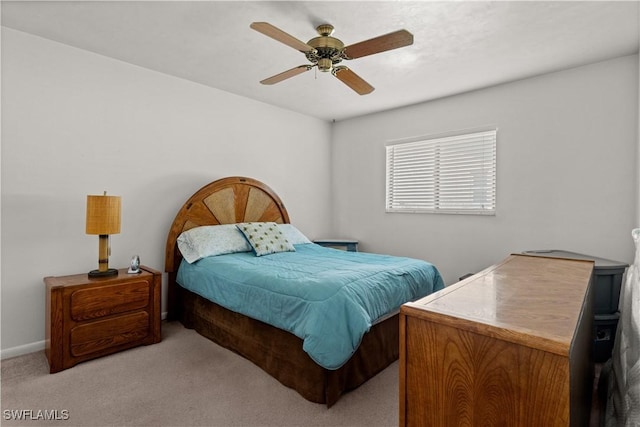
(97, 273)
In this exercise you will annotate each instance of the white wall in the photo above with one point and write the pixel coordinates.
(75, 123)
(567, 171)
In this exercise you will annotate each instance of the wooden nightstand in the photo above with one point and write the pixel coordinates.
(92, 317)
(342, 244)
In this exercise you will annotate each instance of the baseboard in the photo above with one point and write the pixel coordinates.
(22, 349)
(34, 346)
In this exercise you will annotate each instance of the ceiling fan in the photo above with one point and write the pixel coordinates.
(325, 52)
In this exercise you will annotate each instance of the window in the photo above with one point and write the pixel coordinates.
(452, 174)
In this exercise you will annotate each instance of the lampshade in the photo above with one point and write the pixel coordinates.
(103, 218)
(103, 214)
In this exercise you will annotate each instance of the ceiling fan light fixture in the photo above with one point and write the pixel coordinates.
(325, 64)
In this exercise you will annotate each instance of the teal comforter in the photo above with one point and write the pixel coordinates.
(327, 297)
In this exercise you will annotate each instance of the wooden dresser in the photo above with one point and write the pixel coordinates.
(509, 346)
(92, 317)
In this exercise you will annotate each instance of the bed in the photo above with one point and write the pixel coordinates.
(296, 357)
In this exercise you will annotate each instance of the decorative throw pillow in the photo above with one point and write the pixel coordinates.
(293, 235)
(265, 238)
(211, 240)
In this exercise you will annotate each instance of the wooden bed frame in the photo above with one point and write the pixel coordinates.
(279, 353)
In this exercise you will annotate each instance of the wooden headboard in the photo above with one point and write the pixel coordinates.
(225, 201)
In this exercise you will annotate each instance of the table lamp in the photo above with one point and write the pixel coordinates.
(103, 219)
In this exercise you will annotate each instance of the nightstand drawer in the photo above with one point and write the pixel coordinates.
(95, 336)
(92, 303)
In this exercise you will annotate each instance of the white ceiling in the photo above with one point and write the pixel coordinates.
(458, 46)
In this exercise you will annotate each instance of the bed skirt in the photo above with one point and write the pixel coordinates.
(280, 354)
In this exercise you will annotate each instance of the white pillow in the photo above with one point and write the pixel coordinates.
(293, 235)
(211, 240)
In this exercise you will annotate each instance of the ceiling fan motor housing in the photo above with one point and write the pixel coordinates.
(327, 50)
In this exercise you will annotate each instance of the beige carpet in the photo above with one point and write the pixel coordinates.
(185, 380)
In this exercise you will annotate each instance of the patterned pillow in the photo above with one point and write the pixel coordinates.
(211, 240)
(265, 238)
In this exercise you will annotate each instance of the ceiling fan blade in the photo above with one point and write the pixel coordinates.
(351, 79)
(400, 38)
(286, 74)
(279, 35)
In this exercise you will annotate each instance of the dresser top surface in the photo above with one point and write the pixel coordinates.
(521, 298)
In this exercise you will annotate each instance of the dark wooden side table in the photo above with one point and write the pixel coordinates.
(92, 317)
(342, 244)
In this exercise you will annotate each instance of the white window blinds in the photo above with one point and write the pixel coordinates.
(453, 174)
